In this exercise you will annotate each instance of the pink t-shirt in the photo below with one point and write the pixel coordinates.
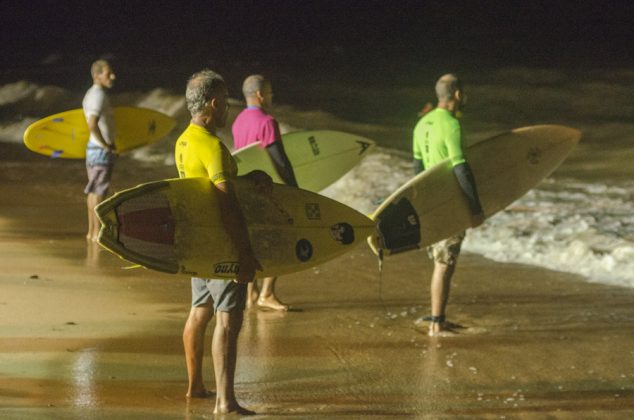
(252, 125)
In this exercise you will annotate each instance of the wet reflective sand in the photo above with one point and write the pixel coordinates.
(83, 338)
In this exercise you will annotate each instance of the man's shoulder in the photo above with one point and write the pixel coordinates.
(194, 134)
(95, 91)
(250, 115)
(444, 117)
(95, 97)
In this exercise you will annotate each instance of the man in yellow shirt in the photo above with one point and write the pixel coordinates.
(200, 153)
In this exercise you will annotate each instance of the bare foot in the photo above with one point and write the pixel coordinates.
(271, 302)
(442, 333)
(440, 329)
(233, 408)
(201, 394)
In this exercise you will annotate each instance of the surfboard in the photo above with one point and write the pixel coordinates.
(319, 157)
(431, 206)
(175, 226)
(65, 135)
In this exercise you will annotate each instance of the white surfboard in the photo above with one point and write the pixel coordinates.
(319, 158)
(431, 206)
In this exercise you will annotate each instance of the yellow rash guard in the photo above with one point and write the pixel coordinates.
(199, 153)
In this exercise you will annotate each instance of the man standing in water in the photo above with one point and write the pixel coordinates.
(100, 150)
(438, 136)
(253, 125)
(200, 153)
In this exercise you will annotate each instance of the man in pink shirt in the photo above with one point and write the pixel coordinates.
(253, 125)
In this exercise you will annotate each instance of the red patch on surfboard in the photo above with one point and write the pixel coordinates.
(154, 225)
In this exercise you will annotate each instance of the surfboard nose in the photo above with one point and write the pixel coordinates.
(142, 226)
(552, 132)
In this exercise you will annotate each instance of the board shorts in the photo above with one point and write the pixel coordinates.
(447, 250)
(227, 295)
(99, 177)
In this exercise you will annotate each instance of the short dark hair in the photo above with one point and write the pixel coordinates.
(252, 84)
(98, 67)
(447, 86)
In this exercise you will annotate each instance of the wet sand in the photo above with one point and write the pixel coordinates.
(82, 337)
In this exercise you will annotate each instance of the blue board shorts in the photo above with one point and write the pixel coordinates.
(447, 250)
(99, 177)
(227, 295)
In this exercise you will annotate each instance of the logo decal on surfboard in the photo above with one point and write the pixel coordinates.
(228, 267)
(304, 250)
(364, 146)
(534, 155)
(313, 145)
(184, 270)
(342, 232)
(312, 211)
(151, 128)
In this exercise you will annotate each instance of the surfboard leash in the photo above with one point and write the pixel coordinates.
(380, 262)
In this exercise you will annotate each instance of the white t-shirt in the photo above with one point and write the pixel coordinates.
(96, 103)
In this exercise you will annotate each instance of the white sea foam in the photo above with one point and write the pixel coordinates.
(580, 228)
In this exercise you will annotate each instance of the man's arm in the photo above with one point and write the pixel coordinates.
(281, 163)
(93, 126)
(419, 166)
(234, 220)
(467, 184)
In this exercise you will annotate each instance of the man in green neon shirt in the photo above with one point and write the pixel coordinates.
(438, 136)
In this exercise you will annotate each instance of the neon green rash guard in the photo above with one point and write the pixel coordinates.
(438, 136)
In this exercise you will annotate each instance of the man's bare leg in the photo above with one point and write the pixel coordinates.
(194, 343)
(93, 220)
(90, 206)
(440, 285)
(224, 349)
(252, 294)
(267, 297)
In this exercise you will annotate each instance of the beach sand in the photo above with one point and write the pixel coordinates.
(83, 337)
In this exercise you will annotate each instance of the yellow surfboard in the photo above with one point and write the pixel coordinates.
(175, 226)
(318, 157)
(65, 135)
(431, 206)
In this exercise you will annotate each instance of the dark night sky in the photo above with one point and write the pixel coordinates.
(319, 35)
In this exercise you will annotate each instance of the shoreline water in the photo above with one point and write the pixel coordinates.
(85, 338)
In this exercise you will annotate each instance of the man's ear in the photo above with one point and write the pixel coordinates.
(213, 103)
(258, 94)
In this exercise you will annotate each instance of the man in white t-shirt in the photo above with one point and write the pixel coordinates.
(100, 150)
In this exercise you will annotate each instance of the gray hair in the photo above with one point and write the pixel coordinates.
(201, 87)
(447, 86)
(252, 84)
